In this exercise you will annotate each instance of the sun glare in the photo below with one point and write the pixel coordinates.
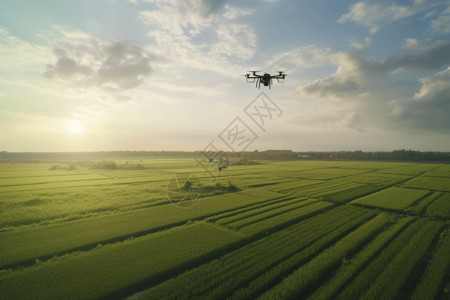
(75, 127)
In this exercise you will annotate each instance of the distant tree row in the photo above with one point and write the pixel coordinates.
(397, 155)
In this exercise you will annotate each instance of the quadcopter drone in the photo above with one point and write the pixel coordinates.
(265, 79)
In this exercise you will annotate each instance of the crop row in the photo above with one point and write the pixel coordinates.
(433, 276)
(261, 209)
(328, 188)
(256, 206)
(299, 281)
(253, 217)
(291, 185)
(48, 179)
(442, 171)
(274, 222)
(55, 205)
(364, 280)
(330, 173)
(22, 246)
(355, 264)
(441, 184)
(350, 194)
(250, 178)
(440, 207)
(378, 178)
(119, 268)
(410, 169)
(82, 183)
(219, 278)
(424, 203)
(260, 181)
(391, 280)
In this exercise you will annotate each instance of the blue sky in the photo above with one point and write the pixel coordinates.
(166, 75)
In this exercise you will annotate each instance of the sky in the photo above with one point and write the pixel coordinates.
(166, 75)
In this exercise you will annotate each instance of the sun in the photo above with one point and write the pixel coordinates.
(75, 127)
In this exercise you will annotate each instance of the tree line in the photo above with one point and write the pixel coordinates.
(396, 155)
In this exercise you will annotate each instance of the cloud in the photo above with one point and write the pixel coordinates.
(232, 13)
(303, 58)
(195, 34)
(176, 16)
(124, 67)
(416, 45)
(86, 62)
(235, 40)
(349, 80)
(373, 93)
(357, 74)
(21, 56)
(373, 14)
(364, 45)
(429, 108)
(441, 25)
(430, 59)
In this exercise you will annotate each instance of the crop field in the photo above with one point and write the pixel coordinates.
(137, 228)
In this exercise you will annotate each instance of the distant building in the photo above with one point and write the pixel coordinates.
(305, 156)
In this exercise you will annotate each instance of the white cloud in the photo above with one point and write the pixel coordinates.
(232, 13)
(441, 25)
(413, 44)
(235, 40)
(194, 34)
(177, 16)
(374, 14)
(364, 45)
(18, 55)
(303, 58)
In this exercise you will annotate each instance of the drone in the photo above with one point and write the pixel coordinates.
(265, 79)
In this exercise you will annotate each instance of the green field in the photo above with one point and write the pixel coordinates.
(272, 230)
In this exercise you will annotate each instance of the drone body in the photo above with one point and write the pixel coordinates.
(265, 79)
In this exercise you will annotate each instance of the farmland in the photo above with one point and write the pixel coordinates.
(268, 230)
